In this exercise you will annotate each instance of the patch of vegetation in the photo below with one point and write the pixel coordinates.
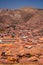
(1, 29)
(14, 27)
(28, 55)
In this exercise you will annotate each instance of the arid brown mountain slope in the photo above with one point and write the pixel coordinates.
(29, 19)
(21, 36)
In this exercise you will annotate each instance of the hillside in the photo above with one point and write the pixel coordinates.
(21, 31)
